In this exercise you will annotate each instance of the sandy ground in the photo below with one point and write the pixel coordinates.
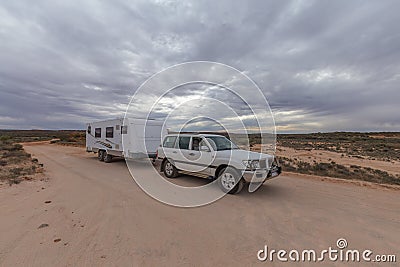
(103, 218)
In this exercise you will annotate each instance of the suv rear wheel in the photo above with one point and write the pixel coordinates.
(230, 181)
(169, 169)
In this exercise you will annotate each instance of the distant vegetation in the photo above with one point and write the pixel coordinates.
(70, 138)
(376, 145)
(332, 169)
(372, 146)
(15, 164)
(381, 146)
(64, 137)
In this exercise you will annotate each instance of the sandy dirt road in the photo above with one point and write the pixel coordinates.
(103, 218)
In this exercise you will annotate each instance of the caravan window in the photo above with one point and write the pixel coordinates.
(97, 132)
(109, 132)
(89, 129)
(124, 129)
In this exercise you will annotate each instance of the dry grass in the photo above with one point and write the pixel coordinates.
(378, 146)
(63, 137)
(15, 164)
(332, 169)
(382, 148)
(76, 138)
(372, 157)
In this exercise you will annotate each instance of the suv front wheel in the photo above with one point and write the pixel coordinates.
(169, 169)
(230, 181)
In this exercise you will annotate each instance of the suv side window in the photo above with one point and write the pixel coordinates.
(183, 142)
(195, 143)
(203, 143)
(169, 141)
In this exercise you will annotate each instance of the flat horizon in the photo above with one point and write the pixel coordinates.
(328, 132)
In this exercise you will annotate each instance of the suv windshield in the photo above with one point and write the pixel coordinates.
(221, 143)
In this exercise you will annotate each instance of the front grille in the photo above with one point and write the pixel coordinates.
(263, 164)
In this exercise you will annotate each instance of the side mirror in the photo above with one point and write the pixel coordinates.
(204, 148)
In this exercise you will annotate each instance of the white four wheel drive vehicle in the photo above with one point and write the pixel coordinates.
(214, 157)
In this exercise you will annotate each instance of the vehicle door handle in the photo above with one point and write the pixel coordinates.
(191, 154)
(174, 152)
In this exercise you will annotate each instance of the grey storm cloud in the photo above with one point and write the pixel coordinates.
(323, 65)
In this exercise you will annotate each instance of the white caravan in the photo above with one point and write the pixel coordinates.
(140, 137)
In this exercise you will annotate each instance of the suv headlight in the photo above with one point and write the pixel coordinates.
(255, 164)
(247, 164)
(251, 164)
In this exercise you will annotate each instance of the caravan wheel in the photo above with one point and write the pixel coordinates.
(100, 155)
(107, 157)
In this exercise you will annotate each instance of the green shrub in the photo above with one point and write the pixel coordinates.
(16, 147)
(4, 138)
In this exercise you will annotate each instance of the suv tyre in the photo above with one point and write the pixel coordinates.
(170, 170)
(230, 181)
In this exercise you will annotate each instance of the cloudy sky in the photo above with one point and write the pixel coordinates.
(323, 65)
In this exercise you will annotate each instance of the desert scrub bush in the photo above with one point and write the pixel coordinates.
(286, 164)
(381, 146)
(5, 146)
(15, 172)
(355, 166)
(332, 169)
(16, 147)
(15, 156)
(4, 138)
(14, 180)
(9, 146)
(15, 164)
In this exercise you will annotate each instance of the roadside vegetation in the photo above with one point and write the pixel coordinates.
(63, 137)
(375, 146)
(70, 138)
(15, 164)
(332, 169)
